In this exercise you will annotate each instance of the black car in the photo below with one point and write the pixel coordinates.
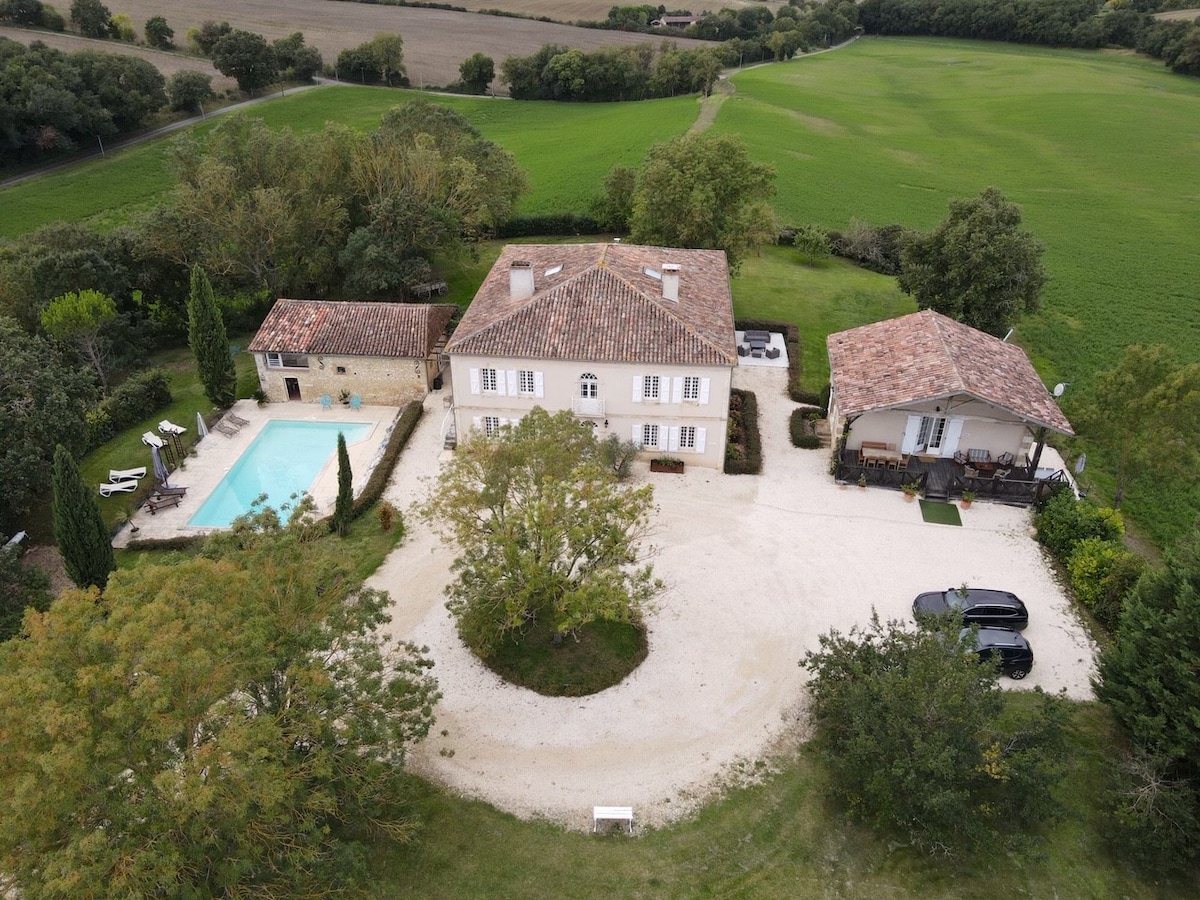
(1016, 656)
(977, 605)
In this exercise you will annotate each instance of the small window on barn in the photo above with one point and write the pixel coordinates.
(653, 273)
(341, 370)
(554, 270)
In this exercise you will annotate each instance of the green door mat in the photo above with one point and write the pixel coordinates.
(940, 513)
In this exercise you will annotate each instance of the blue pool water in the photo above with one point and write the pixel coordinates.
(284, 459)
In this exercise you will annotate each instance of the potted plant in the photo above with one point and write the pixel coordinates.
(126, 520)
(910, 489)
(344, 397)
(968, 498)
(862, 480)
(666, 464)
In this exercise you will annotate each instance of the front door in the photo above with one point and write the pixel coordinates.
(293, 388)
(929, 438)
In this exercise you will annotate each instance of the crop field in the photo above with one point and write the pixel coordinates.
(1091, 145)
(436, 41)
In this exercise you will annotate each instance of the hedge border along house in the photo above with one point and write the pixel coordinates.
(383, 353)
(635, 341)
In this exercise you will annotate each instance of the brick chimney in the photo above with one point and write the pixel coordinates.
(520, 279)
(670, 281)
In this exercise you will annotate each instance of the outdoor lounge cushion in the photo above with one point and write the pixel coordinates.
(118, 487)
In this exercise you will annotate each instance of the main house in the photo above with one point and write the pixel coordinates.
(383, 353)
(636, 341)
(924, 388)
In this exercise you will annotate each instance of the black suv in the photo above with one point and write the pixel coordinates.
(977, 605)
(1016, 656)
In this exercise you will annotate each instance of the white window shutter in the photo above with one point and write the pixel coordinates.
(503, 421)
(953, 433)
(673, 440)
(911, 430)
(539, 385)
(637, 388)
(637, 435)
(700, 433)
(478, 423)
(704, 387)
(677, 390)
(475, 383)
(511, 377)
(664, 388)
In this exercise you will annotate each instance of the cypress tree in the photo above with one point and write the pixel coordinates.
(209, 342)
(343, 509)
(78, 525)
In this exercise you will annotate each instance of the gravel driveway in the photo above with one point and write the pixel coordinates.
(757, 567)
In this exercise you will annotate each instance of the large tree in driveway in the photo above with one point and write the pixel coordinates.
(543, 528)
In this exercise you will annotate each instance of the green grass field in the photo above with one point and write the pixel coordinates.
(1097, 148)
(566, 149)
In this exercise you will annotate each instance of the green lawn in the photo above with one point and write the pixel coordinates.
(774, 838)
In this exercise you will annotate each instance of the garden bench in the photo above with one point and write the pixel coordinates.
(617, 813)
(162, 502)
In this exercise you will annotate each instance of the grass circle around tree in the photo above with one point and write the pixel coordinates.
(598, 656)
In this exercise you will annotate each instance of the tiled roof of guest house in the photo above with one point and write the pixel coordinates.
(346, 328)
(598, 302)
(926, 356)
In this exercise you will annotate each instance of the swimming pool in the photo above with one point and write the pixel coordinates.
(284, 459)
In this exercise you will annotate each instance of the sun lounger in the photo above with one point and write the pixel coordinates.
(165, 427)
(225, 429)
(150, 439)
(127, 474)
(237, 420)
(163, 491)
(162, 503)
(118, 487)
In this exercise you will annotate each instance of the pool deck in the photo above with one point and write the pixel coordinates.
(215, 455)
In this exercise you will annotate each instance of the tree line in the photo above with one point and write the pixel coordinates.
(1059, 23)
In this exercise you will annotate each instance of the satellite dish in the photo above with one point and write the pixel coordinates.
(1080, 463)
(1060, 387)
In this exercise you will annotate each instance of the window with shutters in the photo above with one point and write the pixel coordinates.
(488, 380)
(649, 435)
(525, 383)
(650, 387)
(691, 388)
(287, 360)
(687, 437)
(491, 424)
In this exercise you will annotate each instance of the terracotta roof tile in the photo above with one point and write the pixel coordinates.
(596, 302)
(925, 356)
(345, 328)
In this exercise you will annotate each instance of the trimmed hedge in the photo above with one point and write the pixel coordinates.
(138, 396)
(1065, 521)
(1102, 574)
(802, 430)
(401, 432)
(743, 429)
(555, 223)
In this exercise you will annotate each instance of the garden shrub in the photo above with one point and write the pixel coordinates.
(1065, 521)
(401, 432)
(802, 430)
(618, 455)
(743, 447)
(138, 397)
(1102, 572)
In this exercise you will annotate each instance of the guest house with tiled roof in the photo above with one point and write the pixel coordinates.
(923, 388)
(382, 353)
(636, 341)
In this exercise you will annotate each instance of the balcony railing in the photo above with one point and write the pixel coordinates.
(592, 407)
